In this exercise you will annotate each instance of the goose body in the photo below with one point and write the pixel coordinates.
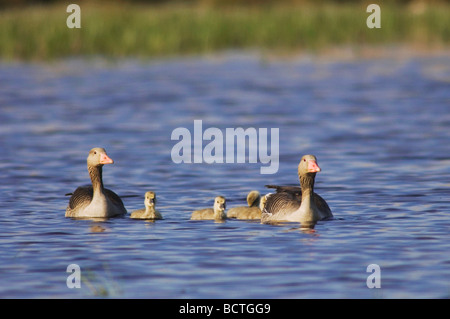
(216, 213)
(252, 211)
(149, 212)
(95, 200)
(297, 204)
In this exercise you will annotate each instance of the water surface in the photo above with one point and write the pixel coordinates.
(379, 128)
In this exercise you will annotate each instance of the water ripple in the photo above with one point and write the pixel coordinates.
(384, 158)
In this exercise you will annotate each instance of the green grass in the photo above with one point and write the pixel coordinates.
(40, 33)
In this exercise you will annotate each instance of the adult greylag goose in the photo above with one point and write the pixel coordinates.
(149, 212)
(297, 204)
(95, 201)
(216, 213)
(252, 211)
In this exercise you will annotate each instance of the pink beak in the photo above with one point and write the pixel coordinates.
(313, 167)
(104, 159)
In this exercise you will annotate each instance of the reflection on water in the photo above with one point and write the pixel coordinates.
(96, 228)
(379, 129)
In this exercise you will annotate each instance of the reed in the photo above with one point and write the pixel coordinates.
(137, 30)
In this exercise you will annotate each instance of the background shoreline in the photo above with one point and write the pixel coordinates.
(173, 30)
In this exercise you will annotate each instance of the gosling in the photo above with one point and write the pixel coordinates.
(149, 212)
(216, 213)
(263, 202)
(253, 211)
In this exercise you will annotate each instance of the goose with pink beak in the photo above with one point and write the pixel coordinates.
(95, 201)
(297, 204)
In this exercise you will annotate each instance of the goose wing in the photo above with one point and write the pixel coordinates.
(296, 191)
(322, 206)
(82, 196)
(288, 189)
(282, 203)
(113, 197)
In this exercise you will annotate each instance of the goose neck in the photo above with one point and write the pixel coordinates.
(307, 184)
(95, 173)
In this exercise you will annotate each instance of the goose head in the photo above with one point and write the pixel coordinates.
(98, 157)
(308, 165)
(219, 204)
(253, 198)
(150, 199)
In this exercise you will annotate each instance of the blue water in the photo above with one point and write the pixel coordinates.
(380, 129)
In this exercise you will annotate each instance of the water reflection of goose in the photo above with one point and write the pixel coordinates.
(95, 200)
(216, 213)
(252, 211)
(149, 212)
(298, 204)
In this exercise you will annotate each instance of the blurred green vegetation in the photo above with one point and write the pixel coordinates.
(8, 3)
(157, 28)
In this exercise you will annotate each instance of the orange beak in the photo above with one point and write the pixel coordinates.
(104, 159)
(313, 167)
